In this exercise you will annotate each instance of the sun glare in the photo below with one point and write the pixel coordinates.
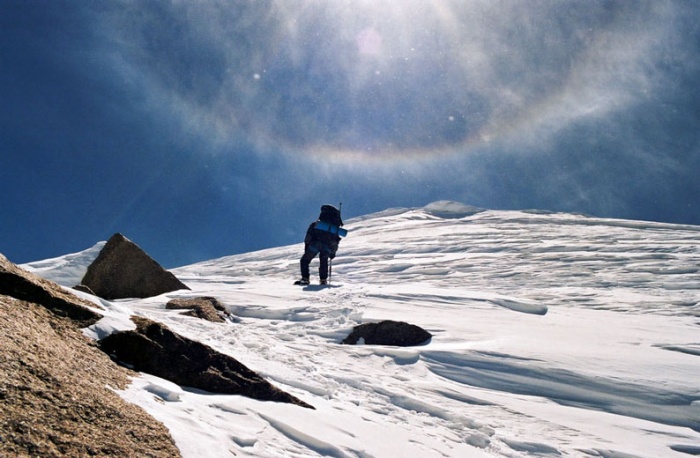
(388, 79)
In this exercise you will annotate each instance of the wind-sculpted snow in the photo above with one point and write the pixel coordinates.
(66, 270)
(553, 335)
(541, 379)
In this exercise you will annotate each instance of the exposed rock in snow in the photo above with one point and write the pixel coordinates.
(57, 393)
(206, 308)
(24, 285)
(123, 269)
(84, 289)
(155, 349)
(397, 333)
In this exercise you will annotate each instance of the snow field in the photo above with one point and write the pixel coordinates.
(553, 335)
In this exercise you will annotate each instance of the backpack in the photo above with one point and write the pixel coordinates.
(331, 215)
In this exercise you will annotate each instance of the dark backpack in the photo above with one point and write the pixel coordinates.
(331, 215)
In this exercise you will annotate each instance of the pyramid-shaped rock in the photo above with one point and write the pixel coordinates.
(123, 269)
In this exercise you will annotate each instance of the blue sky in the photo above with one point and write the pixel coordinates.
(202, 129)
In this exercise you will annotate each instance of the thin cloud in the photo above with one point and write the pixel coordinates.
(385, 78)
(513, 104)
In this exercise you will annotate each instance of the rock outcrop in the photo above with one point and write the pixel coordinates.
(26, 286)
(206, 308)
(123, 270)
(155, 349)
(57, 393)
(396, 333)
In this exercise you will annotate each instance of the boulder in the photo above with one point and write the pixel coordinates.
(123, 269)
(26, 286)
(396, 333)
(206, 308)
(155, 349)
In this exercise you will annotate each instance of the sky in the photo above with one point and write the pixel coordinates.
(209, 128)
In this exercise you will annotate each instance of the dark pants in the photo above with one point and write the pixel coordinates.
(309, 253)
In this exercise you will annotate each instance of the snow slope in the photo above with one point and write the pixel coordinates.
(553, 335)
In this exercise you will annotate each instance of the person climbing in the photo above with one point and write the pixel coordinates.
(322, 238)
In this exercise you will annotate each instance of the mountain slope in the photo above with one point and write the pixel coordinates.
(553, 334)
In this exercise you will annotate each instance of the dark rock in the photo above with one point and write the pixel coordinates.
(26, 286)
(397, 333)
(207, 308)
(84, 289)
(122, 270)
(155, 349)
